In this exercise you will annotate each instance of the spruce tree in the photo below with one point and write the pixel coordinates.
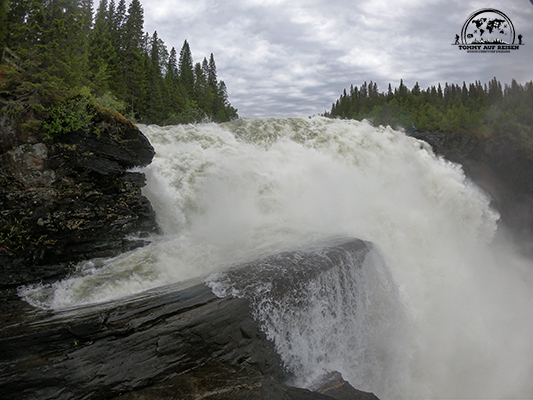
(4, 11)
(156, 95)
(102, 53)
(133, 26)
(212, 73)
(201, 90)
(134, 67)
(119, 18)
(172, 65)
(49, 38)
(186, 72)
(62, 49)
(175, 101)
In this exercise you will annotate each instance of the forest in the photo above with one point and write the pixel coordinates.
(59, 54)
(475, 108)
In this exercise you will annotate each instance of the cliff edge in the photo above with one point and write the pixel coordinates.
(69, 196)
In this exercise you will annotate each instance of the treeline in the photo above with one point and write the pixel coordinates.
(476, 108)
(61, 47)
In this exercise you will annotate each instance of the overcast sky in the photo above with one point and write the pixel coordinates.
(283, 58)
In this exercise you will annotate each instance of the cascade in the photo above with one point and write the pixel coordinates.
(440, 307)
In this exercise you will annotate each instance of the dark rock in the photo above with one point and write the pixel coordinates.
(179, 342)
(333, 385)
(218, 381)
(70, 197)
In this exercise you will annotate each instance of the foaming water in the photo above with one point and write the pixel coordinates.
(446, 309)
(329, 308)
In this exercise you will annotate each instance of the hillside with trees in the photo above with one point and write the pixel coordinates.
(475, 108)
(60, 50)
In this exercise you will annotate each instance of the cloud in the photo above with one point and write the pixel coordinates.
(285, 58)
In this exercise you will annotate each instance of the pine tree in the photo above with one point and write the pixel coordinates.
(154, 52)
(390, 93)
(223, 108)
(416, 89)
(133, 26)
(4, 11)
(62, 49)
(119, 18)
(107, 11)
(495, 92)
(175, 101)
(134, 67)
(49, 39)
(186, 72)
(200, 88)
(102, 53)
(172, 65)
(156, 100)
(212, 73)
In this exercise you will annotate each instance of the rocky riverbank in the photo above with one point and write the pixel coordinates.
(70, 197)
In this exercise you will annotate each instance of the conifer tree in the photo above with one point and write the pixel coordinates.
(156, 94)
(102, 53)
(186, 72)
(107, 12)
(62, 49)
(119, 18)
(172, 65)
(49, 39)
(202, 91)
(205, 67)
(174, 99)
(132, 59)
(4, 10)
(212, 73)
(133, 25)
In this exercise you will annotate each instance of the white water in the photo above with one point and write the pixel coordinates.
(447, 309)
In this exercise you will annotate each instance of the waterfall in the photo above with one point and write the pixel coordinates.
(439, 308)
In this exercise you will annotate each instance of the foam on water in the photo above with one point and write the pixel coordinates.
(448, 309)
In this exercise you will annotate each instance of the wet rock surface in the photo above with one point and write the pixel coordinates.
(218, 381)
(70, 197)
(177, 342)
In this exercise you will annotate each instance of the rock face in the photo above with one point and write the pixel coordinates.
(69, 198)
(501, 166)
(180, 342)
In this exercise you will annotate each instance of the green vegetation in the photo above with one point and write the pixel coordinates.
(68, 116)
(68, 56)
(475, 108)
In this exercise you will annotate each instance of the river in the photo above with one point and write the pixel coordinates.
(442, 307)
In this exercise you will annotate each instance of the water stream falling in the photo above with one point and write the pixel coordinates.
(440, 308)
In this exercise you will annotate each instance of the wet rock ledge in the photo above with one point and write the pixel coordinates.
(180, 342)
(69, 197)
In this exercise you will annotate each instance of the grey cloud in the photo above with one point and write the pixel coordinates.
(286, 58)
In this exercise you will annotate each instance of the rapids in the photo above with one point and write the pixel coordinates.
(441, 308)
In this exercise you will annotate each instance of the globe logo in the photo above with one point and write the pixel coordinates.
(488, 26)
